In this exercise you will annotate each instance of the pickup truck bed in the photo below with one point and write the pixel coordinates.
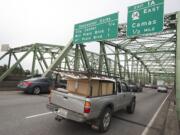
(73, 105)
(91, 109)
(67, 105)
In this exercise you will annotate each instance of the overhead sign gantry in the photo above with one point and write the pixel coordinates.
(99, 29)
(145, 18)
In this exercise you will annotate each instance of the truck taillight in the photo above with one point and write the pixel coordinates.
(87, 107)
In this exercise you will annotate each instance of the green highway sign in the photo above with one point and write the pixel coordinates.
(99, 29)
(145, 18)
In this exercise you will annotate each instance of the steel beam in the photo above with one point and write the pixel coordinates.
(86, 60)
(100, 59)
(76, 59)
(52, 56)
(161, 51)
(13, 67)
(105, 58)
(125, 66)
(140, 76)
(42, 57)
(4, 55)
(9, 61)
(83, 61)
(132, 68)
(137, 72)
(17, 60)
(144, 76)
(40, 63)
(127, 51)
(117, 62)
(58, 59)
(178, 67)
(34, 60)
(67, 62)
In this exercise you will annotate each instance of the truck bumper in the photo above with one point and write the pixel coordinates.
(52, 107)
(70, 115)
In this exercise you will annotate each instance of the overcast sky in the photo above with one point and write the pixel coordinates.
(24, 22)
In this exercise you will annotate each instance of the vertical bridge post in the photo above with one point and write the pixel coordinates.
(178, 67)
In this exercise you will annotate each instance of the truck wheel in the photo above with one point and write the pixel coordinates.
(105, 120)
(130, 108)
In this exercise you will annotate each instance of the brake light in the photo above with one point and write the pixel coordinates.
(87, 107)
(27, 84)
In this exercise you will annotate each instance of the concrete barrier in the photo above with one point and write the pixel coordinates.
(171, 125)
(8, 85)
(10, 82)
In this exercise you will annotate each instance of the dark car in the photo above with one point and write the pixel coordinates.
(35, 85)
(135, 88)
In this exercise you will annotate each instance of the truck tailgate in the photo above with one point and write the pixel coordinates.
(68, 101)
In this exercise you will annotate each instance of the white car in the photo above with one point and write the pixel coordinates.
(162, 89)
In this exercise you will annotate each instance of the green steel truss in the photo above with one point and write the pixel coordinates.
(141, 59)
(136, 59)
(44, 54)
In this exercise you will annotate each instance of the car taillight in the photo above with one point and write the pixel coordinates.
(87, 107)
(20, 83)
(27, 84)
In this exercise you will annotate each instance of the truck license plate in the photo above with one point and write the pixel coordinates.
(62, 112)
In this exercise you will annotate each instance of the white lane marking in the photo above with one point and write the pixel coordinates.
(38, 115)
(154, 117)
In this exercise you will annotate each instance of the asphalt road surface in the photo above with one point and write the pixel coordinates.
(22, 114)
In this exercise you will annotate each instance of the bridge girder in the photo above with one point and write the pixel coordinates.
(129, 55)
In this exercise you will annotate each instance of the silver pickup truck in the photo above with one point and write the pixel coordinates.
(97, 107)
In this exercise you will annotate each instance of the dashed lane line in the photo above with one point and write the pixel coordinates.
(38, 115)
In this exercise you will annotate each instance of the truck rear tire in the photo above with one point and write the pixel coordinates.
(130, 108)
(105, 120)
